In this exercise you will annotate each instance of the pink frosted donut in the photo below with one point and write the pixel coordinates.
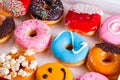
(92, 76)
(110, 30)
(33, 34)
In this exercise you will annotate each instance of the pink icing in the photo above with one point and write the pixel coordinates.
(110, 30)
(39, 42)
(92, 76)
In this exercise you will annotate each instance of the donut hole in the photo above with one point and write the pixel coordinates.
(46, 6)
(69, 47)
(32, 33)
(107, 60)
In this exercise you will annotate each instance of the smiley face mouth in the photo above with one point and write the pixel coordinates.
(63, 70)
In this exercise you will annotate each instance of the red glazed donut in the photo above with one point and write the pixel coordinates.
(83, 18)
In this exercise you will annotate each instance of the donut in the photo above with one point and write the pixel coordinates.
(18, 65)
(49, 11)
(33, 34)
(12, 8)
(83, 18)
(105, 59)
(53, 71)
(70, 48)
(110, 30)
(6, 28)
(92, 76)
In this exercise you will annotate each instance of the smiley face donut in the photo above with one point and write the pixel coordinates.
(110, 30)
(18, 65)
(83, 18)
(105, 59)
(33, 34)
(70, 48)
(49, 11)
(53, 71)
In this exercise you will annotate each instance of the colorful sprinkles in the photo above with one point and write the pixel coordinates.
(15, 7)
(54, 11)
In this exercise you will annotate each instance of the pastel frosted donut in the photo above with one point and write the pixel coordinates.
(49, 11)
(53, 71)
(33, 34)
(104, 58)
(70, 48)
(12, 8)
(83, 18)
(92, 76)
(110, 30)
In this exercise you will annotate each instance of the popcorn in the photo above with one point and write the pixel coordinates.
(25, 63)
(33, 64)
(14, 50)
(30, 52)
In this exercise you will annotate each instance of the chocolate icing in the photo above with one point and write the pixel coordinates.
(109, 47)
(53, 13)
(7, 26)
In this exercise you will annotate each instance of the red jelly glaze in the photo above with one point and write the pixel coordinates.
(82, 22)
(26, 3)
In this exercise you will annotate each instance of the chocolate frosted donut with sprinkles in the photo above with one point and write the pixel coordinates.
(50, 11)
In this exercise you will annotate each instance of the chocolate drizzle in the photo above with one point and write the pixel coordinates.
(109, 47)
(7, 26)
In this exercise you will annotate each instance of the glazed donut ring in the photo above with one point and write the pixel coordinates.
(47, 10)
(70, 48)
(105, 58)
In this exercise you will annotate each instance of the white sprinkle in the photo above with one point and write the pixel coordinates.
(20, 59)
(2, 58)
(22, 73)
(8, 57)
(15, 67)
(8, 77)
(6, 65)
(33, 64)
(4, 71)
(13, 74)
(14, 50)
(86, 8)
(25, 63)
(30, 52)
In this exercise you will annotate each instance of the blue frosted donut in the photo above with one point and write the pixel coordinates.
(70, 47)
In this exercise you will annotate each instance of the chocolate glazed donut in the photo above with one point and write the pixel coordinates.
(49, 10)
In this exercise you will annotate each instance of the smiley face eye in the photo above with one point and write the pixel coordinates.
(45, 76)
(50, 70)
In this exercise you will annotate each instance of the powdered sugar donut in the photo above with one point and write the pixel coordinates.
(33, 34)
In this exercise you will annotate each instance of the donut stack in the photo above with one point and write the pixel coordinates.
(35, 40)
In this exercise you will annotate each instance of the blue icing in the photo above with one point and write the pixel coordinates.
(77, 54)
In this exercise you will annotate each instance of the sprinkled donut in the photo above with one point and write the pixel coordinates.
(70, 48)
(50, 11)
(13, 7)
(33, 34)
(110, 30)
